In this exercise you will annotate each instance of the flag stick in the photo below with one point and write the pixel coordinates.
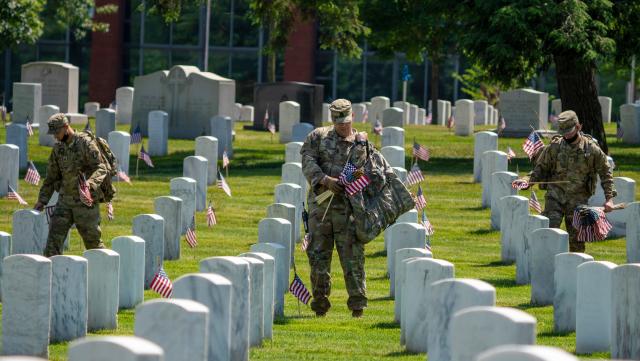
(552, 182)
(326, 210)
(226, 171)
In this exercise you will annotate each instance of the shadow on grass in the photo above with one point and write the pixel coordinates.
(482, 232)
(287, 319)
(379, 278)
(529, 305)
(496, 264)
(383, 298)
(386, 325)
(382, 253)
(501, 282)
(400, 353)
(475, 208)
(555, 334)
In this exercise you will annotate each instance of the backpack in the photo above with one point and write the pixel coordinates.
(107, 189)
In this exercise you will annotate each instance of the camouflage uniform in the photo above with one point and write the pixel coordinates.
(578, 163)
(80, 154)
(325, 153)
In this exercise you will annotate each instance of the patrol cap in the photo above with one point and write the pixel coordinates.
(340, 111)
(567, 122)
(56, 122)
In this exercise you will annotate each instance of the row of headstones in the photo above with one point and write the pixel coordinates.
(605, 105)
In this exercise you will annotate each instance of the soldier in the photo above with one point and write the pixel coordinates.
(75, 154)
(324, 154)
(574, 157)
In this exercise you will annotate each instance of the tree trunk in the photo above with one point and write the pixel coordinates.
(271, 67)
(578, 92)
(435, 79)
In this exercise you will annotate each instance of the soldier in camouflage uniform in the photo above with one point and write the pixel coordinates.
(575, 157)
(324, 154)
(75, 153)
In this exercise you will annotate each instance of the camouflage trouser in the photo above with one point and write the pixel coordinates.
(339, 229)
(87, 222)
(556, 211)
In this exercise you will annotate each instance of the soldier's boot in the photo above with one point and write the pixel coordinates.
(357, 313)
(575, 246)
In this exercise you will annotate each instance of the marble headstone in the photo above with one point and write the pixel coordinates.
(222, 130)
(394, 155)
(565, 280)
(525, 353)
(481, 112)
(492, 161)
(605, 106)
(121, 348)
(547, 242)
(268, 290)
(158, 132)
(91, 108)
(393, 117)
(119, 142)
(196, 167)
(150, 227)
(17, 135)
(30, 231)
(464, 117)
(281, 257)
(402, 235)
(392, 136)
(103, 280)
(515, 212)
(402, 256)
(132, 264)
(523, 250)
(69, 298)
(289, 116)
(207, 146)
(170, 209)
(500, 187)
(483, 142)
(378, 105)
(60, 83)
(44, 113)
(9, 168)
(292, 152)
(27, 100)
(633, 232)
(300, 131)
(523, 109)
(105, 122)
(625, 312)
(185, 189)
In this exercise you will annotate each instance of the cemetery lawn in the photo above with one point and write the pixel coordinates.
(462, 236)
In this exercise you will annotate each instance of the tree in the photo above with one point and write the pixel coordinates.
(339, 23)
(514, 40)
(417, 28)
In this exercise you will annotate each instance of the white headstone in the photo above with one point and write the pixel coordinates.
(358, 112)
(105, 122)
(292, 152)
(269, 289)
(378, 105)
(593, 307)
(633, 233)
(625, 312)
(222, 130)
(60, 83)
(556, 106)
(236, 270)
(158, 132)
(444, 110)
(448, 297)
(405, 106)
(150, 227)
(277, 230)
(403, 235)
(477, 329)
(256, 317)
(77, 118)
(401, 173)
(185, 189)
(281, 257)
(392, 136)
(413, 114)
(132, 264)
(490, 114)
(27, 99)
(292, 194)
(326, 114)
(5, 251)
(410, 216)
(124, 105)
(26, 305)
(91, 108)
(481, 112)
(515, 212)
(246, 113)
(292, 173)
(523, 109)
(103, 280)
(44, 113)
(626, 188)
(30, 230)
(284, 211)
(523, 250)
(17, 135)
(394, 155)
(179, 326)
(289, 116)
(300, 131)
(464, 117)
(500, 187)
(119, 142)
(483, 141)
(392, 117)
(170, 209)
(197, 167)
(605, 106)
(565, 280)
(69, 298)
(215, 292)
(9, 168)
(525, 353)
(402, 256)
(207, 146)
(121, 348)
(492, 161)
(421, 116)
(547, 242)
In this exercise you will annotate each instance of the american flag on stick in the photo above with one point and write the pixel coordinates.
(3, 113)
(532, 144)
(305, 242)
(415, 175)
(136, 136)
(553, 118)
(211, 216)
(298, 289)
(83, 190)
(534, 203)
(29, 126)
(12, 194)
(427, 224)
(451, 122)
(162, 284)
(510, 153)
(365, 115)
(420, 151)
(225, 159)
(271, 128)
(520, 184)
(428, 119)
(265, 120)
(419, 199)
(354, 180)
(619, 131)
(377, 128)
(190, 237)
(591, 223)
(502, 125)
(145, 157)
(48, 211)
(32, 176)
(110, 214)
(123, 176)
(222, 184)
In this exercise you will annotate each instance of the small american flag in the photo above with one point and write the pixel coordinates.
(83, 190)
(502, 125)
(222, 184)
(377, 128)
(271, 128)
(265, 121)
(553, 118)
(12, 194)
(532, 144)
(451, 122)
(520, 184)
(415, 175)
(619, 131)
(87, 127)
(298, 289)
(136, 137)
(3, 113)
(428, 119)
(29, 126)
(419, 199)
(110, 214)
(48, 211)
(591, 224)
(211, 216)
(162, 284)
(420, 151)
(305, 242)
(365, 115)
(225, 159)
(123, 176)
(534, 203)
(191, 238)
(145, 157)
(353, 179)
(427, 224)
(510, 153)
(32, 176)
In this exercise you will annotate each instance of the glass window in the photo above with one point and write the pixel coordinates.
(51, 52)
(187, 30)
(324, 72)
(245, 73)
(219, 23)
(350, 79)
(219, 62)
(156, 31)
(379, 77)
(245, 34)
(155, 60)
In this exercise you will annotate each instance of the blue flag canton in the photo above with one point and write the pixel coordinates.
(348, 173)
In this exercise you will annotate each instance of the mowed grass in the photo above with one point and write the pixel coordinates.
(463, 237)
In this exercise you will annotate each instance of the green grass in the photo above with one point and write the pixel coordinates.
(463, 237)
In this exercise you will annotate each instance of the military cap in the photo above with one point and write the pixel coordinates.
(340, 111)
(56, 122)
(567, 122)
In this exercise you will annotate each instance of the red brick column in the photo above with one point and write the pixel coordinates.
(299, 57)
(105, 70)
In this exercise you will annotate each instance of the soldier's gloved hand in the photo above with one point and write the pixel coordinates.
(333, 185)
(608, 206)
(39, 206)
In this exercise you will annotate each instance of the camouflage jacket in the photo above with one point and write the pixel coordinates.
(80, 155)
(580, 164)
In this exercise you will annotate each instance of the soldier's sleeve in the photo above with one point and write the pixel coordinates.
(310, 152)
(606, 175)
(93, 162)
(53, 176)
(543, 163)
